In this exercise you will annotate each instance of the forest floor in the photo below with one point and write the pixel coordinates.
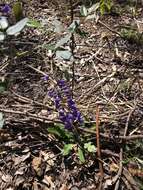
(108, 77)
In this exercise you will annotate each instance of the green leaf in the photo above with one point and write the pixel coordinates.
(58, 26)
(94, 8)
(102, 8)
(3, 23)
(93, 16)
(3, 86)
(139, 160)
(67, 148)
(90, 147)
(63, 41)
(83, 11)
(82, 33)
(1, 120)
(49, 47)
(60, 131)
(2, 36)
(109, 5)
(65, 55)
(33, 23)
(81, 155)
(18, 27)
(17, 10)
(74, 25)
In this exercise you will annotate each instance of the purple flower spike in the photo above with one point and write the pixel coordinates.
(62, 116)
(45, 78)
(69, 115)
(52, 93)
(61, 83)
(69, 118)
(6, 9)
(71, 104)
(68, 126)
(57, 102)
(79, 117)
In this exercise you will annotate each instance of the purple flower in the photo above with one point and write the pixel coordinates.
(75, 113)
(71, 104)
(67, 92)
(62, 116)
(57, 102)
(71, 114)
(6, 9)
(45, 78)
(79, 118)
(69, 118)
(61, 83)
(64, 88)
(68, 126)
(52, 93)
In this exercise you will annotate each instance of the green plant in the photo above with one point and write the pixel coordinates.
(132, 35)
(1, 120)
(80, 151)
(3, 85)
(103, 6)
(7, 30)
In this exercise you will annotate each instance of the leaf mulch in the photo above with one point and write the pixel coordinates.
(108, 73)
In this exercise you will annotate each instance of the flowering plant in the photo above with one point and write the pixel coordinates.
(5, 29)
(6, 9)
(65, 105)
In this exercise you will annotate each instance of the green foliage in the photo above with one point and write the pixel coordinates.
(33, 23)
(132, 36)
(105, 6)
(3, 86)
(71, 143)
(7, 30)
(83, 11)
(64, 54)
(63, 41)
(75, 28)
(60, 131)
(81, 155)
(67, 149)
(1, 120)
(60, 51)
(18, 27)
(17, 10)
(90, 147)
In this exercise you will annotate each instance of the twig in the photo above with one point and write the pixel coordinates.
(27, 100)
(98, 146)
(41, 72)
(127, 122)
(118, 176)
(4, 66)
(103, 24)
(127, 138)
(130, 179)
(97, 85)
(121, 152)
(46, 120)
(127, 183)
(33, 116)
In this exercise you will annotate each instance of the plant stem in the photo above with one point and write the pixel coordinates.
(72, 45)
(98, 142)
